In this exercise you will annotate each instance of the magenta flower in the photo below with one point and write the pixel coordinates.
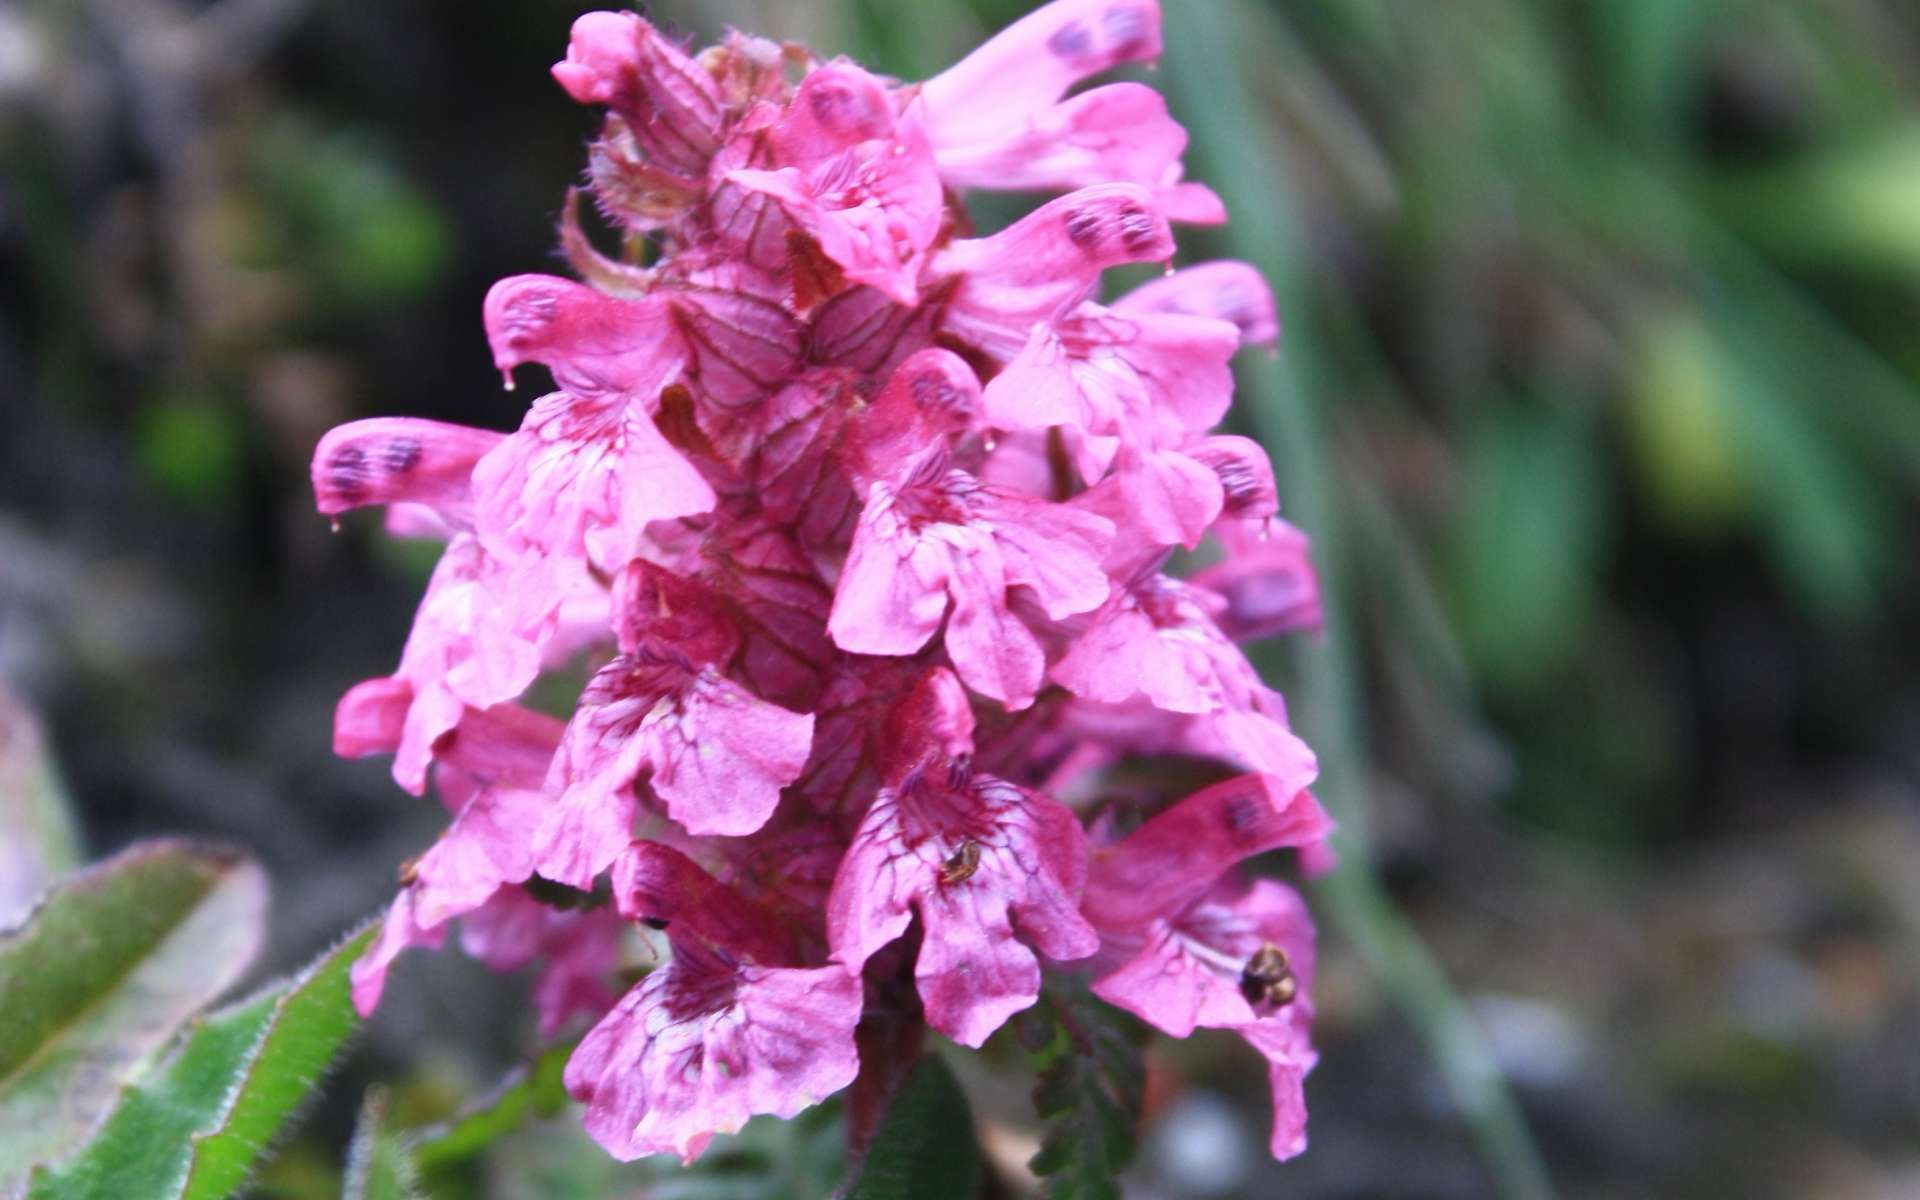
(1183, 944)
(859, 531)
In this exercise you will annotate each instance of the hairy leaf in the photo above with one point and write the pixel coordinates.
(101, 974)
(925, 1148)
(380, 1163)
(199, 1124)
(1091, 1084)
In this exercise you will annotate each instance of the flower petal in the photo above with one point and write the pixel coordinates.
(400, 460)
(704, 1043)
(992, 870)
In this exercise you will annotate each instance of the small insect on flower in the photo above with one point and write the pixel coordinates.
(1268, 977)
(961, 864)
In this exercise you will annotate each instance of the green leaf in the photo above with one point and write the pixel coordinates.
(37, 839)
(380, 1163)
(101, 974)
(537, 1091)
(196, 1128)
(1092, 1081)
(925, 1148)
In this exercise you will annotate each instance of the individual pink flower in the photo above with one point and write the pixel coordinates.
(1184, 944)
(707, 1041)
(972, 856)
(729, 1028)
(1228, 291)
(857, 181)
(663, 713)
(940, 539)
(997, 119)
(490, 772)
(1266, 581)
(1155, 638)
(1044, 264)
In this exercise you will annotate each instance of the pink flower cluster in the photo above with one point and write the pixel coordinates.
(858, 521)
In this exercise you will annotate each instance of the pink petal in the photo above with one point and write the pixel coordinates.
(395, 460)
(594, 344)
(670, 103)
(489, 844)
(370, 716)
(1053, 549)
(1245, 474)
(398, 931)
(1118, 132)
(582, 952)
(577, 467)
(704, 1043)
(991, 869)
(836, 107)
(992, 649)
(1267, 580)
(1171, 497)
(1046, 263)
(941, 534)
(1290, 1056)
(893, 588)
(931, 399)
(992, 93)
(1177, 854)
(1226, 290)
(715, 754)
(721, 764)
(1188, 971)
(655, 883)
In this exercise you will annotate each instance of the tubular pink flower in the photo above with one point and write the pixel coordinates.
(706, 1042)
(862, 185)
(1044, 264)
(997, 121)
(972, 856)
(1266, 582)
(401, 460)
(715, 756)
(671, 106)
(858, 529)
(1182, 950)
(941, 534)
(1227, 291)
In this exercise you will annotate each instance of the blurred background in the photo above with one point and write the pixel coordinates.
(1600, 396)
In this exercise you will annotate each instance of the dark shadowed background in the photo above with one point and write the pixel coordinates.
(1600, 395)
